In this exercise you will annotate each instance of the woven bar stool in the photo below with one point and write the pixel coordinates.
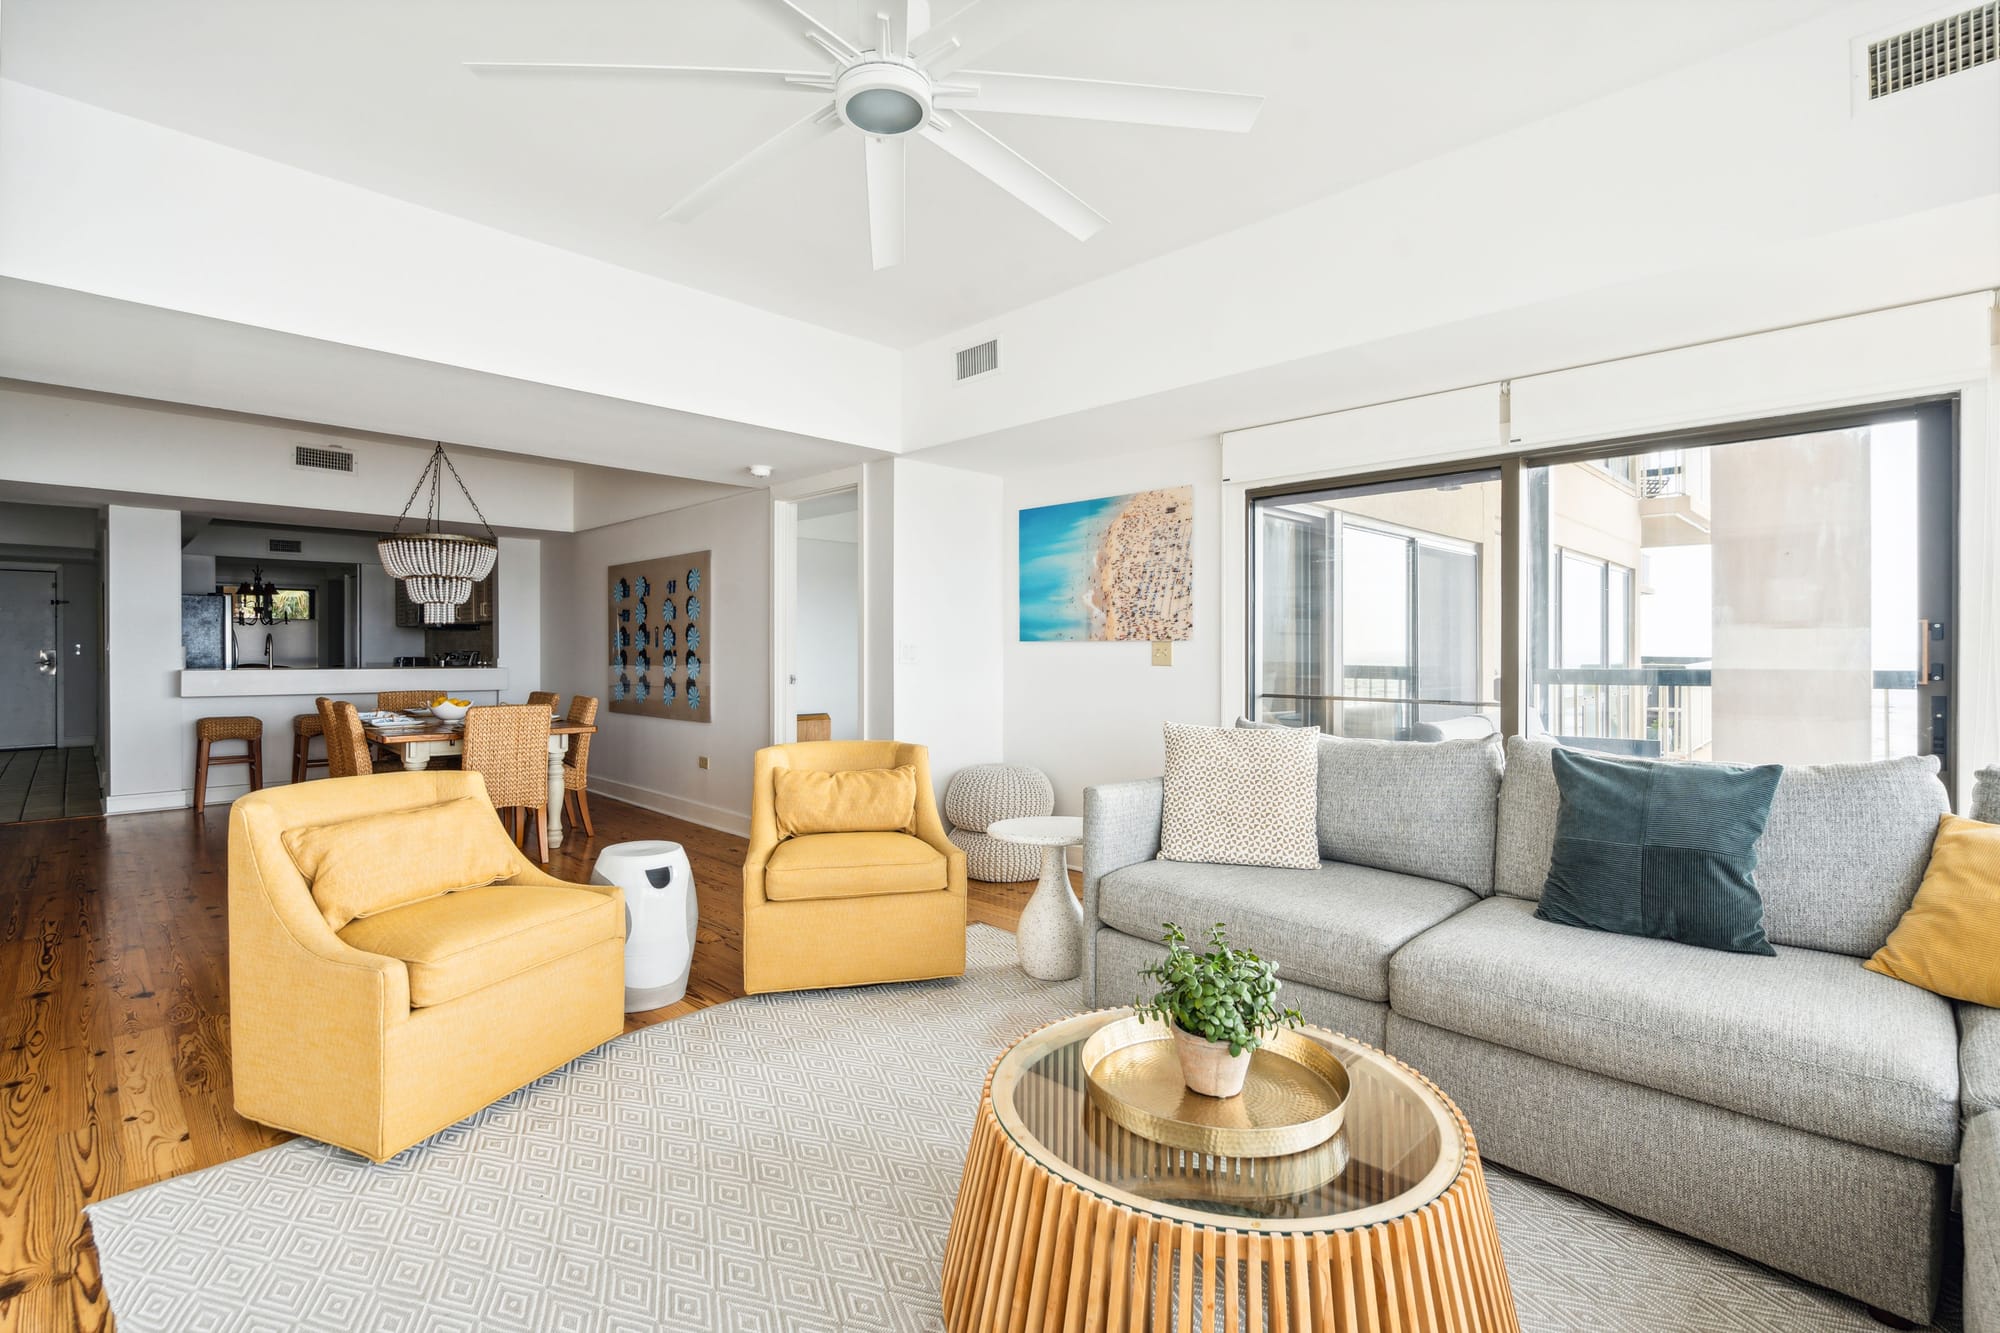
(209, 730)
(304, 728)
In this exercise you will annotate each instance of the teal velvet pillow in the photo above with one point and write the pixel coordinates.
(1666, 850)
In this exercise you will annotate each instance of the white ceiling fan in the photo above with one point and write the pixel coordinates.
(905, 79)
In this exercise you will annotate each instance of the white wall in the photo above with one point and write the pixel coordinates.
(828, 651)
(653, 762)
(48, 525)
(519, 594)
(949, 564)
(1086, 713)
(150, 765)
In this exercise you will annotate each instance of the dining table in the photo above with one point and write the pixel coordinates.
(420, 739)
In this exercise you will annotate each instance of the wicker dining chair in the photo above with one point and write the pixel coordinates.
(346, 744)
(395, 701)
(576, 764)
(508, 744)
(548, 699)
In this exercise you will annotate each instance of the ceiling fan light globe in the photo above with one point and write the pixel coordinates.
(884, 111)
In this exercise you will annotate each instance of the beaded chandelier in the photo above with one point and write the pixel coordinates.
(438, 568)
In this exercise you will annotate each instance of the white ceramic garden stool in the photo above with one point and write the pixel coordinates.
(1050, 935)
(660, 916)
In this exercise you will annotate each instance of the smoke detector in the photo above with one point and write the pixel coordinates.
(759, 470)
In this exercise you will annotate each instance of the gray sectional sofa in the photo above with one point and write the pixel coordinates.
(1799, 1110)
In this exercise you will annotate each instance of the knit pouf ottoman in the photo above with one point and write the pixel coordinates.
(986, 794)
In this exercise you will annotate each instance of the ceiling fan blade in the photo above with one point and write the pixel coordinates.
(822, 121)
(790, 79)
(1013, 173)
(973, 29)
(1100, 99)
(886, 158)
(805, 28)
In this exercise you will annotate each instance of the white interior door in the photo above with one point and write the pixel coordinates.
(28, 658)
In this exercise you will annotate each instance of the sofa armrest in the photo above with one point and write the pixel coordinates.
(1121, 827)
(1979, 1177)
(1985, 806)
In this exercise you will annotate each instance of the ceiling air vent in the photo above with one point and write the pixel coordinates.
(980, 360)
(287, 545)
(322, 460)
(1931, 52)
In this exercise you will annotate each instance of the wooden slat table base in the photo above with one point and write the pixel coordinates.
(1030, 1252)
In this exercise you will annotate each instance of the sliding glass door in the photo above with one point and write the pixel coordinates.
(1377, 608)
(1790, 603)
(1780, 593)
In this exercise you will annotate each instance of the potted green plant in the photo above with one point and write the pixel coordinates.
(1222, 1005)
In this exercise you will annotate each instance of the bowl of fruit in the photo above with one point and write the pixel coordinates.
(447, 709)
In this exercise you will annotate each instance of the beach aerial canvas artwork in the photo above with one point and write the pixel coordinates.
(1120, 568)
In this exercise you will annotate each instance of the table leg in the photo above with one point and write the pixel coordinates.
(416, 757)
(558, 746)
(1050, 932)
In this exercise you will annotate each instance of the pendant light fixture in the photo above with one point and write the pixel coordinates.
(438, 568)
(256, 602)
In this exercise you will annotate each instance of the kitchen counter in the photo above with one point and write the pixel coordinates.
(337, 682)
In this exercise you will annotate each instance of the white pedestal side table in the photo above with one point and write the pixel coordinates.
(661, 914)
(1050, 935)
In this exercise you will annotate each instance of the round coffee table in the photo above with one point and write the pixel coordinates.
(1050, 932)
(1069, 1220)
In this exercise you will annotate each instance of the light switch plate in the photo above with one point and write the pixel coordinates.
(701, 761)
(1163, 652)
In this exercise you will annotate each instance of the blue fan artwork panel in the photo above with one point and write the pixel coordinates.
(660, 637)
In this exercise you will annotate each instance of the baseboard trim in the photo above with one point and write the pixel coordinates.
(138, 803)
(665, 803)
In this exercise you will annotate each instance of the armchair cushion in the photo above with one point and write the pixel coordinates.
(379, 862)
(458, 943)
(852, 865)
(860, 800)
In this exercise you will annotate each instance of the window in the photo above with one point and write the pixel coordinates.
(1377, 608)
(1774, 620)
(1778, 595)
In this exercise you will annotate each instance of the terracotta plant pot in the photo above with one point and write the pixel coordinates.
(1207, 1067)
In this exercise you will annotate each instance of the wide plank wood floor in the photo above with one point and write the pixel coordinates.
(49, 783)
(114, 1032)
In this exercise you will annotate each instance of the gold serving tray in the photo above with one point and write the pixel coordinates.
(1295, 1097)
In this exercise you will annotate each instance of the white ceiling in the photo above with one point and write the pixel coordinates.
(372, 92)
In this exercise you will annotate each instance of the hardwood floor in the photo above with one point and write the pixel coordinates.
(114, 1034)
(49, 783)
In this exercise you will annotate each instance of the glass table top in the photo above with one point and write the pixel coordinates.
(1399, 1148)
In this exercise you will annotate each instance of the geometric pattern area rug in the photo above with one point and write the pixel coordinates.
(776, 1164)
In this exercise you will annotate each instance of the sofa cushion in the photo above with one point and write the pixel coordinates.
(456, 944)
(375, 863)
(1662, 850)
(1978, 1060)
(858, 800)
(1842, 854)
(1334, 927)
(1240, 796)
(1423, 808)
(852, 865)
(1525, 819)
(1845, 849)
(1807, 1039)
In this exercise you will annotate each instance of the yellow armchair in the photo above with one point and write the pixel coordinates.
(378, 1035)
(849, 909)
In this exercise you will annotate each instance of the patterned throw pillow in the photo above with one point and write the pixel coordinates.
(1244, 797)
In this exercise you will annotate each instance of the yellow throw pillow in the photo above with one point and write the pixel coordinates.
(360, 867)
(861, 800)
(1949, 940)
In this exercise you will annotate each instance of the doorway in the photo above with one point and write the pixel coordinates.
(819, 613)
(30, 656)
